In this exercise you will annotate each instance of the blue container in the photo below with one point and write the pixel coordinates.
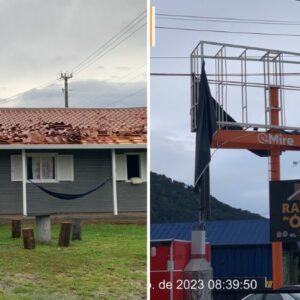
(242, 261)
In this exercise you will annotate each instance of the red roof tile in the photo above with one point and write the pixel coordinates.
(73, 126)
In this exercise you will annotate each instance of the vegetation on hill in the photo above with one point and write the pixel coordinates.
(173, 201)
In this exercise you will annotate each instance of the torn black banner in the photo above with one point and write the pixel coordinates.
(206, 127)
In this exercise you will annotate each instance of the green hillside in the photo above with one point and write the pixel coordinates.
(173, 201)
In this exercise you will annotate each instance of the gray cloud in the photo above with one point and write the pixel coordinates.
(39, 40)
(122, 68)
(86, 93)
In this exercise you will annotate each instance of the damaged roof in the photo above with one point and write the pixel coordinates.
(73, 125)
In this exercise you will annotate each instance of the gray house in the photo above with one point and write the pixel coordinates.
(72, 151)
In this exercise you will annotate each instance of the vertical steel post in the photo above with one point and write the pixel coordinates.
(277, 264)
(24, 181)
(114, 181)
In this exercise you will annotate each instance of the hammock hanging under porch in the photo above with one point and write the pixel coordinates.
(69, 196)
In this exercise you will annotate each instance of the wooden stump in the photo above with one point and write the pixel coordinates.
(76, 230)
(43, 229)
(65, 234)
(15, 229)
(28, 238)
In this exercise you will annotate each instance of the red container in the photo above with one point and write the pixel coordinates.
(167, 264)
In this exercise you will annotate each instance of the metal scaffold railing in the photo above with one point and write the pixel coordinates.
(241, 87)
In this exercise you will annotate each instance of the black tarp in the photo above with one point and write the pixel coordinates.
(206, 127)
(207, 114)
(222, 115)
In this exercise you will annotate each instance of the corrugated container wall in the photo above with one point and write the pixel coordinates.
(242, 261)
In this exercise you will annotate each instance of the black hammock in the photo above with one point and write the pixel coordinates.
(70, 196)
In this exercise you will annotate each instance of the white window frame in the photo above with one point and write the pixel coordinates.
(142, 168)
(16, 167)
(55, 155)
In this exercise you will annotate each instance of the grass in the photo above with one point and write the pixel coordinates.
(109, 263)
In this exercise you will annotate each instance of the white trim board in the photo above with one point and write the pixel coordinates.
(72, 146)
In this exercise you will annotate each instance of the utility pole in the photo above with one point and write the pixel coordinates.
(65, 76)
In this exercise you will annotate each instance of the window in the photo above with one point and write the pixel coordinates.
(129, 165)
(43, 167)
(133, 166)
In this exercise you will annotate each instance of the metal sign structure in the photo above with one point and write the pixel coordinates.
(259, 91)
(241, 77)
(285, 210)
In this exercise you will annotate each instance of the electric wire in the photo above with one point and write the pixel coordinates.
(230, 19)
(111, 40)
(223, 21)
(97, 54)
(133, 74)
(143, 73)
(16, 96)
(228, 31)
(229, 74)
(108, 46)
(125, 97)
(109, 50)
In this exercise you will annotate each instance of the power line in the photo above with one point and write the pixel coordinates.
(110, 40)
(125, 97)
(127, 75)
(125, 83)
(109, 45)
(191, 19)
(131, 75)
(97, 54)
(281, 22)
(15, 96)
(231, 57)
(170, 74)
(127, 27)
(228, 31)
(170, 57)
(228, 74)
(109, 50)
(227, 82)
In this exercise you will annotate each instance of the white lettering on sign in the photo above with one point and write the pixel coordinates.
(275, 139)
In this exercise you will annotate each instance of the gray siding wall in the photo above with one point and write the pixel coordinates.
(132, 197)
(10, 192)
(91, 167)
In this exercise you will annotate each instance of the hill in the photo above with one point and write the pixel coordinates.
(173, 201)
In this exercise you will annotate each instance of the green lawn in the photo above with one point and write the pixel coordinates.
(109, 263)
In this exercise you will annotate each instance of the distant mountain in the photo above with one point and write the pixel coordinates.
(173, 201)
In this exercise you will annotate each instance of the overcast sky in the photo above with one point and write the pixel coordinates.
(40, 39)
(238, 177)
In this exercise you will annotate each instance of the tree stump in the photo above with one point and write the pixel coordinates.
(65, 234)
(76, 230)
(28, 238)
(15, 229)
(43, 229)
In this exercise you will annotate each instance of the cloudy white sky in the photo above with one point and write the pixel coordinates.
(40, 39)
(238, 177)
